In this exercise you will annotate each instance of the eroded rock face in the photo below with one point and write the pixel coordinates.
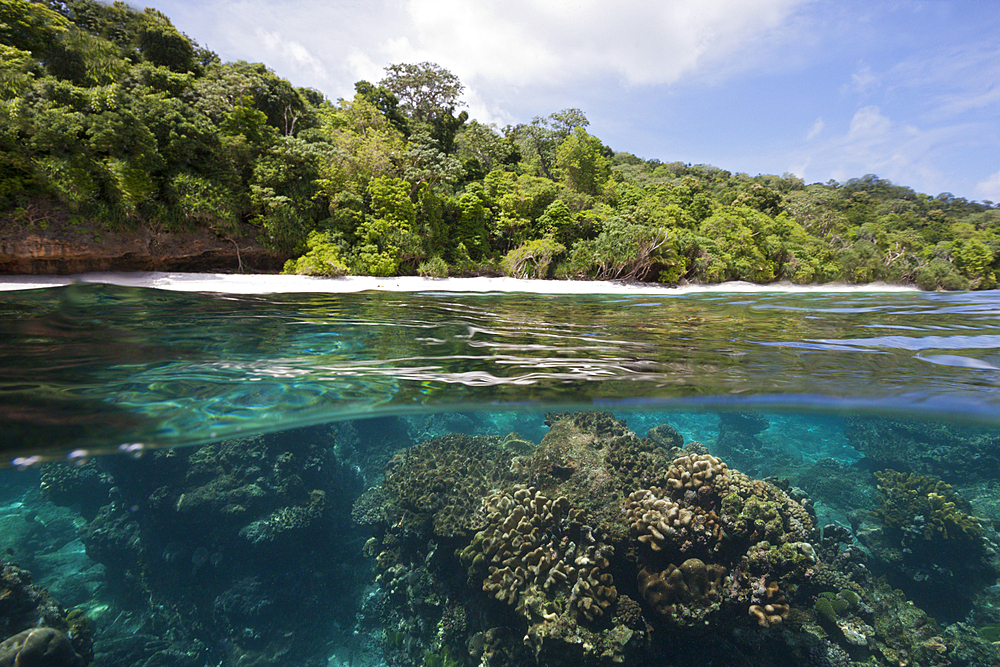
(63, 249)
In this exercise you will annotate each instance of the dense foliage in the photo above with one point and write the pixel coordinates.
(116, 116)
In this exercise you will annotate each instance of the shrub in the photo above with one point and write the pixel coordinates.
(323, 258)
(532, 259)
(435, 267)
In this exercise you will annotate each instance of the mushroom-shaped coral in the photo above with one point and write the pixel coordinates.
(660, 522)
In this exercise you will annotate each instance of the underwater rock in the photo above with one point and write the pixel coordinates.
(70, 484)
(25, 609)
(23, 605)
(666, 436)
(38, 647)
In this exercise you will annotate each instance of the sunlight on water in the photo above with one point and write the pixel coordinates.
(166, 368)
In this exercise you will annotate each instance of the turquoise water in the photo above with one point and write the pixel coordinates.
(251, 510)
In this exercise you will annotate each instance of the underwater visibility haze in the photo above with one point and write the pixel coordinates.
(447, 478)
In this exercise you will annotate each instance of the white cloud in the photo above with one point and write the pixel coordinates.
(816, 128)
(989, 188)
(955, 78)
(874, 143)
(560, 42)
(502, 50)
(869, 124)
(293, 51)
(864, 81)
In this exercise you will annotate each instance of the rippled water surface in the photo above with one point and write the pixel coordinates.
(90, 366)
(450, 479)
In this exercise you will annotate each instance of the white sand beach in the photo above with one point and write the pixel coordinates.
(274, 284)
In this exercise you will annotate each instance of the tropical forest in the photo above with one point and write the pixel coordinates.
(119, 122)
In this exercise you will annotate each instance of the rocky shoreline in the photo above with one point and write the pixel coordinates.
(53, 246)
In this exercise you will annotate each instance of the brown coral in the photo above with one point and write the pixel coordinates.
(772, 608)
(694, 470)
(683, 594)
(532, 559)
(660, 522)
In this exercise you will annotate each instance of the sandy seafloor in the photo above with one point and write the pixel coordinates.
(274, 284)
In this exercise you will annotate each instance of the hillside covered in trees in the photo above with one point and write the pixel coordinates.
(115, 117)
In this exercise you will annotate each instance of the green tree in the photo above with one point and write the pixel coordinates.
(425, 163)
(625, 250)
(286, 194)
(973, 259)
(744, 244)
(539, 139)
(386, 102)
(162, 44)
(532, 259)
(473, 221)
(581, 163)
(385, 237)
(426, 91)
(366, 145)
(323, 258)
(484, 144)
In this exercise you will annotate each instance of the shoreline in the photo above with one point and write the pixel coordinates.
(288, 284)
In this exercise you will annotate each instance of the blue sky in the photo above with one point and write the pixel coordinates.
(907, 90)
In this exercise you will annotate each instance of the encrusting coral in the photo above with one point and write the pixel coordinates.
(441, 481)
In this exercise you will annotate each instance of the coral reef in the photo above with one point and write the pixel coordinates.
(928, 544)
(959, 453)
(218, 546)
(442, 481)
(916, 503)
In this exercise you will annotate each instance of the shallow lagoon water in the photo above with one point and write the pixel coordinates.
(248, 423)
